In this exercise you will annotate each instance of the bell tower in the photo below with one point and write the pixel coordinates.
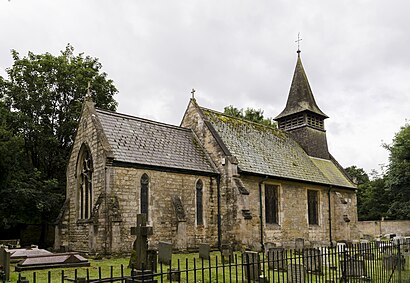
(302, 118)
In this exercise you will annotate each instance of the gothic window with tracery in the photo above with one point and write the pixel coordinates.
(199, 202)
(144, 193)
(85, 183)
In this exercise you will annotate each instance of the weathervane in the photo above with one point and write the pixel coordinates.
(298, 42)
(193, 93)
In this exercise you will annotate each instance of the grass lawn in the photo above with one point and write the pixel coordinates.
(330, 270)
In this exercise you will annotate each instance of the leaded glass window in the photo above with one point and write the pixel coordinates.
(313, 207)
(271, 204)
(85, 183)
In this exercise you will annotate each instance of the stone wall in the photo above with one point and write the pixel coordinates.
(163, 186)
(374, 229)
(293, 219)
(73, 233)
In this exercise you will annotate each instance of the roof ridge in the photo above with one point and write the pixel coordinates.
(239, 118)
(141, 119)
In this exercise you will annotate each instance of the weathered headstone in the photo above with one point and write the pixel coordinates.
(299, 244)
(5, 264)
(164, 253)
(204, 251)
(296, 273)
(142, 231)
(251, 265)
(277, 259)
(353, 268)
(312, 259)
(227, 253)
(392, 261)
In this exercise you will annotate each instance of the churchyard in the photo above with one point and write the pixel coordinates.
(387, 261)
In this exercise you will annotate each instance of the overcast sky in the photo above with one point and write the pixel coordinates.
(240, 53)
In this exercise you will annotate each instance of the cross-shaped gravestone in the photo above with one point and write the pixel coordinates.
(142, 231)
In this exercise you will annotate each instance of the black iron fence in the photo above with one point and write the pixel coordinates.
(363, 262)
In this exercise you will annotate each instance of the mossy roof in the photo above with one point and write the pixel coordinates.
(269, 151)
(145, 142)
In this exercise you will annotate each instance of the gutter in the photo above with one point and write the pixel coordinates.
(330, 216)
(261, 212)
(218, 189)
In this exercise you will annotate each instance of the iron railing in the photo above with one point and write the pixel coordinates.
(382, 262)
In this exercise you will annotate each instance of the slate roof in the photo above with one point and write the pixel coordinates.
(140, 141)
(268, 151)
(300, 95)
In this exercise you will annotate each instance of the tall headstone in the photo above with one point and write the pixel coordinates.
(181, 238)
(251, 265)
(142, 231)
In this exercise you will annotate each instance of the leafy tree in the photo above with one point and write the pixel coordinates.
(373, 197)
(40, 104)
(250, 114)
(398, 175)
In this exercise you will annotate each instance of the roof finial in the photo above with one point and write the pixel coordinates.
(298, 41)
(193, 93)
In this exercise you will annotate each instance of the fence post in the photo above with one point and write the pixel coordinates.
(399, 259)
(344, 271)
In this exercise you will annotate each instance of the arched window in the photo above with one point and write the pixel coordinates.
(199, 203)
(144, 194)
(85, 182)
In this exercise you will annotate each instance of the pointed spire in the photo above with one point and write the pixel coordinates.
(300, 95)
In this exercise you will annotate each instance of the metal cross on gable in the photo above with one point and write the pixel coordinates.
(193, 93)
(298, 42)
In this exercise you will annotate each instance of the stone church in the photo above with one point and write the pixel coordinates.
(214, 179)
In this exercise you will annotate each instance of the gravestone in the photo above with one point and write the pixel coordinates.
(204, 251)
(296, 273)
(227, 253)
(406, 246)
(392, 261)
(353, 268)
(59, 260)
(152, 259)
(4, 264)
(312, 259)
(252, 265)
(299, 245)
(277, 259)
(181, 238)
(142, 231)
(164, 253)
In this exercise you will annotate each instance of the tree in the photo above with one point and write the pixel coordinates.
(250, 114)
(40, 104)
(398, 174)
(373, 199)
